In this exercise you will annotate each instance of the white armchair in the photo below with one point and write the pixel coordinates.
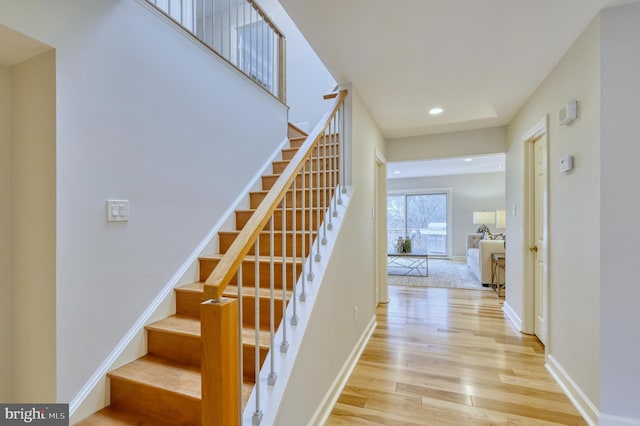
(479, 253)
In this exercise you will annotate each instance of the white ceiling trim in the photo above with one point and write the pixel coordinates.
(446, 167)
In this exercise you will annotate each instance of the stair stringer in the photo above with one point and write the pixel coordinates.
(94, 395)
(271, 396)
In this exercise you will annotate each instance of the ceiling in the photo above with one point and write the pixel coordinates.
(478, 59)
(16, 47)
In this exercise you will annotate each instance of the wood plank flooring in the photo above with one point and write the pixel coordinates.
(450, 357)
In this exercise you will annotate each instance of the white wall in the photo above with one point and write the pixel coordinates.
(307, 77)
(469, 142)
(33, 229)
(147, 115)
(5, 235)
(574, 211)
(332, 332)
(481, 191)
(620, 202)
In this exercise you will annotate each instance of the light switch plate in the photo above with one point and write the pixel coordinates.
(117, 210)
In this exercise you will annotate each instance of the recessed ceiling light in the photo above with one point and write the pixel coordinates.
(436, 111)
(397, 172)
(466, 160)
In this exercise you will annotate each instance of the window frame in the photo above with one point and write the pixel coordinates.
(449, 213)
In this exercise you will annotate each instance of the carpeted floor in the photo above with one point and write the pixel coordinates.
(442, 273)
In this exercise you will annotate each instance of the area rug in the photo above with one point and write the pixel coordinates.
(442, 273)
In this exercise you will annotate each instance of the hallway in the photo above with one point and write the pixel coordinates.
(448, 356)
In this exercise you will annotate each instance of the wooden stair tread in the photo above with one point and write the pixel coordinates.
(329, 144)
(196, 287)
(163, 374)
(247, 388)
(252, 258)
(179, 324)
(263, 293)
(287, 209)
(313, 159)
(232, 291)
(190, 326)
(249, 337)
(299, 138)
(287, 232)
(110, 416)
(314, 172)
(298, 189)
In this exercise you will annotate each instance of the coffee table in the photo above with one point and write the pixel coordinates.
(417, 262)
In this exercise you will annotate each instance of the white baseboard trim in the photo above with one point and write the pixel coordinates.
(322, 413)
(138, 327)
(459, 258)
(582, 403)
(512, 316)
(610, 420)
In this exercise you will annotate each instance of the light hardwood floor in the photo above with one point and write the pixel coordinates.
(450, 357)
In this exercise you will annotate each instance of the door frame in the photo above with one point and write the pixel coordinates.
(380, 231)
(539, 131)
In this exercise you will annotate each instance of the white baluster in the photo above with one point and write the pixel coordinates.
(272, 375)
(303, 293)
(284, 345)
(294, 244)
(257, 414)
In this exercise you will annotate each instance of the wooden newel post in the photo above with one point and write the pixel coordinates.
(220, 382)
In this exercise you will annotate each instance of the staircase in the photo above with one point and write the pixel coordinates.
(164, 386)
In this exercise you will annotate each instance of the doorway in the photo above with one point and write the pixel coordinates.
(536, 241)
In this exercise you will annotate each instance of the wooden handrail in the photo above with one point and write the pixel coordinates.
(266, 18)
(232, 259)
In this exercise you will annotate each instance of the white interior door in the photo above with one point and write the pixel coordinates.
(540, 245)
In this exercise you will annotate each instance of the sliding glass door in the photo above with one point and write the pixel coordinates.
(423, 218)
(396, 221)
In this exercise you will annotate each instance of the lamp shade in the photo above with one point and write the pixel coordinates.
(501, 219)
(484, 218)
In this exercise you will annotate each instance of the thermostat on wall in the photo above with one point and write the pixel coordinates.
(568, 113)
(566, 163)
